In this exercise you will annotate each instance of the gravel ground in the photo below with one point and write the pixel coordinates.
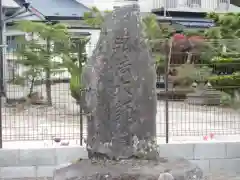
(209, 176)
(47, 178)
(43, 122)
(222, 176)
(186, 122)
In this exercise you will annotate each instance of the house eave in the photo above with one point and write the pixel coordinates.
(58, 18)
(160, 12)
(86, 27)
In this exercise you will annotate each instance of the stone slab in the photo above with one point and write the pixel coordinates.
(18, 172)
(9, 157)
(45, 171)
(210, 151)
(180, 169)
(233, 150)
(37, 157)
(70, 154)
(229, 165)
(177, 150)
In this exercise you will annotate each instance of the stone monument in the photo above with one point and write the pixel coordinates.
(120, 77)
(120, 99)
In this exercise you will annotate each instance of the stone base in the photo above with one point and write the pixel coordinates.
(177, 93)
(203, 100)
(211, 98)
(180, 169)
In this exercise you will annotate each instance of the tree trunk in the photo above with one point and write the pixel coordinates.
(236, 95)
(48, 77)
(189, 58)
(31, 87)
(80, 73)
(48, 86)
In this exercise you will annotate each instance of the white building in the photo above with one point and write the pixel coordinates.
(149, 5)
(70, 12)
(65, 11)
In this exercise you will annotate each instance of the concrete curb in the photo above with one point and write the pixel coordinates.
(32, 163)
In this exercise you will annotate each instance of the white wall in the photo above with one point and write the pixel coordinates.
(93, 38)
(89, 48)
(148, 5)
(206, 5)
(94, 33)
(145, 5)
(38, 163)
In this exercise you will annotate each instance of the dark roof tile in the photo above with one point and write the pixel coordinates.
(61, 8)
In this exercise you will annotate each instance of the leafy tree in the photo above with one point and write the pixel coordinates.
(74, 62)
(154, 32)
(98, 17)
(227, 30)
(226, 42)
(29, 57)
(157, 35)
(40, 51)
(225, 39)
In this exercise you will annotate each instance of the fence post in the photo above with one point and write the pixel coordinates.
(166, 68)
(81, 125)
(2, 93)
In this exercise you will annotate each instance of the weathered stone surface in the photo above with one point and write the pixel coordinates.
(120, 78)
(129, 170)
(207, 96)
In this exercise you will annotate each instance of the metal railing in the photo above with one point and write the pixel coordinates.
(192, 5)
(180, 117)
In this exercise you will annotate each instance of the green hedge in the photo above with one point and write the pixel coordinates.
(225, 81)
(225, 61)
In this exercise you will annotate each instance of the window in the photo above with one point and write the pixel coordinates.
(223, 4)
(171, 3)
(12, 43)
(235, 2)
(194, 3)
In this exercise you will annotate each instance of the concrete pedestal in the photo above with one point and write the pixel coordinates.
(179, 169)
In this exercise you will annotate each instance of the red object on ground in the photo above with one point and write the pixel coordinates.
(211, 135)
(205, 138)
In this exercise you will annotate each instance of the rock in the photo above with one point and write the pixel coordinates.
(165, 176)
(208, 96)
(222, 175)
(64, 143)
(120, 87)
(179, 169)
(57, 139)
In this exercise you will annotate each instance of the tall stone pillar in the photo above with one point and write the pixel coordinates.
(121, 99)
(121, 80)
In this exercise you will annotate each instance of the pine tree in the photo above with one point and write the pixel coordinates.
(74, 61)
(29, 57)
(39, 52)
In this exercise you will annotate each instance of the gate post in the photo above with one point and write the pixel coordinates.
(168, 51)
(2, 84)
